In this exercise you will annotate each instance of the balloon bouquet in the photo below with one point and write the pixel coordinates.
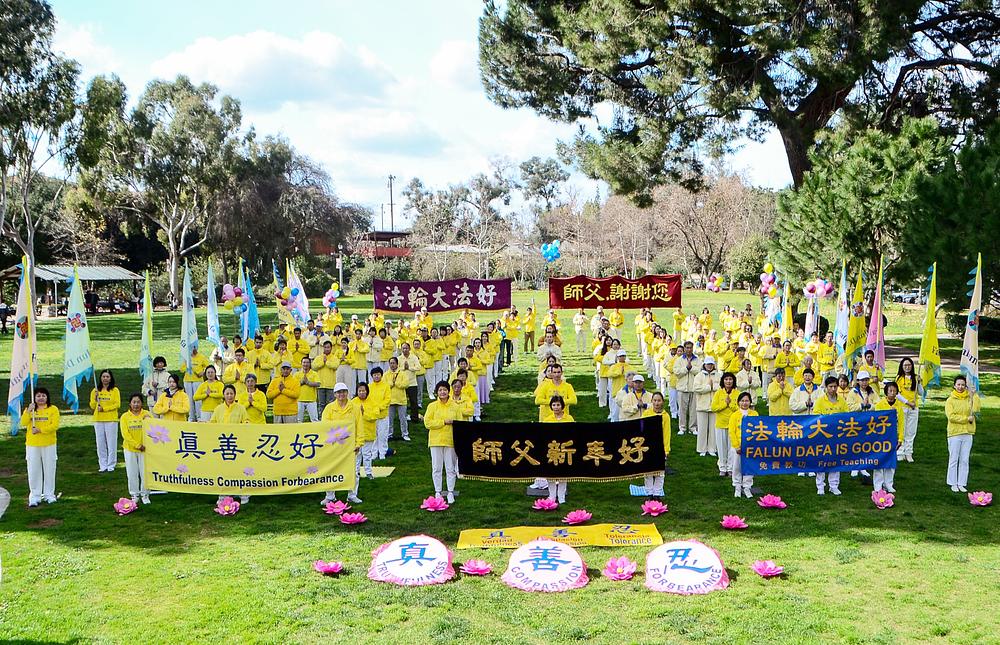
(715, 283)
(331, 295)
(769, 282)
(289, 299)
(233, 300)
(551, 251)
(818, 288)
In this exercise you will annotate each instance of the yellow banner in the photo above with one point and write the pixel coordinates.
(575, 536)
(247, 459)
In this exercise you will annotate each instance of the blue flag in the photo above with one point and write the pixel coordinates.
(251, 316)
(189, 326)
(77, 364)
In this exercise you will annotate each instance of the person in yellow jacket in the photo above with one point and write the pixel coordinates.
(528, 325)
(41, 424)
(375, 343)
(236, 372)
(254, 400)
(399, 383)
(193, 377)
(826, 356)
(229, 410)
(829, 403)
(209, 394)
(283, 392)
(910, 390)
(557, 414)
(308, 383)
(298, 346)
(779, 394)
(961, 410)
(605, 356)
(723, 406)
(105, 401)
(346, 413)
(673, 399)
(358, 357)
(173, 404)
(378, 399)
(369, 412)
(438, 419)
(326, 364)
(388, 349)
(635, 401)
(464, 397)
(863, 396)
(883, 478)
(345, 370)
(787, 359)
(261, 361)
(551, 386)
(741, 483)
(134, 449)
(706, 384)
(654, 483)
(616, 372)
(617, 319)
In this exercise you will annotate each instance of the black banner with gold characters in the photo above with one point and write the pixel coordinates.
(510, 452)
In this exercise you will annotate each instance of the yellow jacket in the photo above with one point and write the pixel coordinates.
(438, 432)
(388, 348)
(958, 408)
(256, 406)
(551, 418)
(379, 395)
(347, 417)
(198, 364)
(665, 416)
(235, 373)
(898, 406)
(131, 429)
(210, 394)
(262, 362)
(358, 354)
(47, 423)
(398, 382)
(735, 427)
(778, 398)
(616, 372)
(325, 366)
(307, 393)
(911, 394)
(632, 403)
(234, 413)
(286, 402)
(722, 408)
(826, 357)
(547, 389)
(369, 414)
(174, 408)
(109, 401)
(825, 406)
(788, 361)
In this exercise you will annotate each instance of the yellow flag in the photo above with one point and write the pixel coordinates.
(930, 355)
(857, 334)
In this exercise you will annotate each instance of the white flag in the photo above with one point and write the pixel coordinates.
(23, 370)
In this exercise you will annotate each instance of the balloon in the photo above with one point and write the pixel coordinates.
(237, 301)
(228, 304)
(810, 288)
(284, 303)
(772, 291)
(768, 278)
(286, 292)
(336, 294)
(768, 268)
(277, 295)
(237, 291)
(335, 286)
(556, 244)
(763, 278)
(763, 289)
(719, 281)
(295, 291)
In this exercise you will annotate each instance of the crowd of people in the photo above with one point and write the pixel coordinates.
(373, 375)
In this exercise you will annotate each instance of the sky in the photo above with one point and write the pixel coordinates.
(367, 89)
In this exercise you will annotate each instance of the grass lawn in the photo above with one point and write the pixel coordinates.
(923, 571)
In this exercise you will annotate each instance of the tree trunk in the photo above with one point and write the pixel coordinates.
(796, 152)
(172, 266)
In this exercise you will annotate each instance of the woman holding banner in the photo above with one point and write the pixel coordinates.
(741, 483)
(229, 411)
(42, 423)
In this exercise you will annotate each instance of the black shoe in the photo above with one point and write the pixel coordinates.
(390, 452)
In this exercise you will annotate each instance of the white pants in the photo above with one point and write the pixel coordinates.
(832, 478)
(675, 409)
(723, 449)
(557, 491)
(41, 472)
(345, 375)
(687, 420)
(195, 412)
(444, 458)
(363, 458)
(603, 388)
(205, 415)
(959, 448)
(431, 380)
(398, 410)
(740, 481)
(883, 478)
(107, 444)
(286, 418)
(615, 412)
(706, 432)
(765, 380)
(483, 389)
(382, 427)
(654, 485)
(310, 408)
(910, 419)
(135, 463)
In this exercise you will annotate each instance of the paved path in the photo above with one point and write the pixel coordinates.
(894, 352)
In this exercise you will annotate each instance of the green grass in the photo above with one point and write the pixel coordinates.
(924, 571)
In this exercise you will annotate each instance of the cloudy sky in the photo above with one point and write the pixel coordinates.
(366, 88)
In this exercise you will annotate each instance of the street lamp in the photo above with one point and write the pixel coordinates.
(340, 267)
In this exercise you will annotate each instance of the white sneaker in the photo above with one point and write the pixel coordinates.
(145, 499)
(866, 473)
(909, 458)
(954, 489)
(52, 500)
(330, 497)
(680, 432)
(835, 491)
(244, 499)
(890, 489)
(820, 491)
(747, 493)
(352, 498)
(962, 489)
(135, 500)
(737, 492)
(451, 497)
(33, 504)
(406, 438)
(562, 500)
(438, 495)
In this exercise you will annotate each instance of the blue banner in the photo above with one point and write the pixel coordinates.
(819, 443)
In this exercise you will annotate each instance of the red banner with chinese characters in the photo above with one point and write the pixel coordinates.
(616, 291)
(443, 295)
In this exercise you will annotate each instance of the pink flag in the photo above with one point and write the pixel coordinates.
(876, 331)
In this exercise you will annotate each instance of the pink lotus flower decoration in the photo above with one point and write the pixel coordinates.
(476, 568)
(577, 517)
(980, 498)
(337, 435)
(353, 518)
(882, 499)
(434, 504)
(654, 508)
(733, 522)
(545, 504)
(619, 569)
(183, 468)
(337, 507)
(328, 568)
(227, 506)
(767, 569)
(124, 506)
(771, 501)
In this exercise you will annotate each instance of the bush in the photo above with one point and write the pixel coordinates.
(395, 269)
(989, 328)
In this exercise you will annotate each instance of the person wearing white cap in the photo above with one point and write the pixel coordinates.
(706, 384)
(862, 398)
(686, 368)
(347, 413)
(636, 401)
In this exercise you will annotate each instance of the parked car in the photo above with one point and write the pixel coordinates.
(909, 296)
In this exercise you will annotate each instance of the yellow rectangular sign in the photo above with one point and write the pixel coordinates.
(247, 459)
(575, 536)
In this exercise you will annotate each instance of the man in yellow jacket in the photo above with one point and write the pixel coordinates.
(283, 391)
(550, 386)
(378, 403)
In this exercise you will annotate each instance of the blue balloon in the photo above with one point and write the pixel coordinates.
(295, 291)
(556, 244)
(336, 294)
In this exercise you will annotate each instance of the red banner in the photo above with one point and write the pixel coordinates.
(616, 291)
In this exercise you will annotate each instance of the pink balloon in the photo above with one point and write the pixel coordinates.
(810, 288)
(237, 291)
(763, 278)
(770, 278)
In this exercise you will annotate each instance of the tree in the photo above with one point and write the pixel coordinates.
(746, 259)
(541, 182)
(958, 210)
(435, 224)
(167, 160)
(38, 105)
(480, 221)
(857, 204)
(684, 77)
